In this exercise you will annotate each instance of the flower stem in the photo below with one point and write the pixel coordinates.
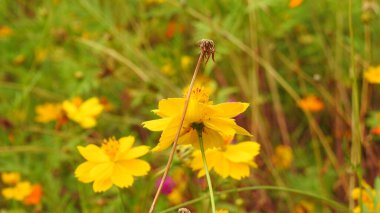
(207, 50)
(209, 183)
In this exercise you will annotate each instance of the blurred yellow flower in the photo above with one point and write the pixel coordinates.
(303, 207)
(366, 195)
(175, 197)
(185, 62)
(41, 55)
(232, 160)
(222, 211)
(34, 197)
(216, 121)
(167, 69)
(283, 157)
(115, 162)
(19, 59)
(5, 31)
(311, 103)
(49, 112)
(372, 75)
(84, 113)
(295, 3)
(18, 192)
(10, 178)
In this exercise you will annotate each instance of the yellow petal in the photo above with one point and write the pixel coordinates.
(83, 172)
(135, 167)
(157, 125)
(170, 107)
(102, 171)
(93, 153)
(230, 109)
(126, 143)
(135, 152)
(102, 185)
(86, 122)
(222, 168)
(121, 177)
(242, 152)
(211, 139)
(69, 108)
(190, 137)
(168, 135)
(239, 170)
(224, 126)
(91, 107)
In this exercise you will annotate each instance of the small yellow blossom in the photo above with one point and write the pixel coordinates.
(367, 195)
(176, 197)
(34, 197)
(303, 207)
(49, 112)
(222, 211)
(233, 160)
(283, 157)
(295, 3)
(5, 31)
(167, 69)
(216, 121)
(41, 55)
(115, 162)
(19, 59)
(84, 113)
(185, 62)
(19, 192)
(10, 178)
(311, 103)
(372, 75)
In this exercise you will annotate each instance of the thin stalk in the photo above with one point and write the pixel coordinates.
(200, 59)
(123, 200)
(209, 183)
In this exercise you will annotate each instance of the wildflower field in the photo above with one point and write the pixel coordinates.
(257, 106)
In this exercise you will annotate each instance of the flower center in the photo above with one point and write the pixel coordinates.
(199, 93)
(110, 147)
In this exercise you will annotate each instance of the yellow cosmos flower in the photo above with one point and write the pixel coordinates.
(233, 160)
(372, 75)
(49, 112)
(222, 211)
(10, 178)
(295, 3)
(368, 197)
(115, 162)
(5, 31)
(216, 120)
(311, 103)
(283, 157)
(19, 192)
(84, 113)
(185, 62)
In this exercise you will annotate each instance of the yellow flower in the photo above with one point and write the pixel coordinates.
(372, 75)
(115, 162)
(185, 62)
(40, 55)
(304, 207)
(295, 3)
(216, 121)
(10, 178)
(232, 160)
(83, 113)
(222, 211)
(367, 195)
(5, 31)
(49, 112)
(167, 69)
(19, 192)
(311, 103)
(175, 197)
(283, 157)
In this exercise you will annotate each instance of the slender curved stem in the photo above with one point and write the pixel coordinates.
(201, 56)
(209, 183)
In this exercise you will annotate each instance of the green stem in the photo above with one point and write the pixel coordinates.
(123, 200)
(199, 131)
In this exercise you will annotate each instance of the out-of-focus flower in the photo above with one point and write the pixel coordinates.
(185, 62)
(108, 106)
(19, 59)
(49, 112)
(154, 1)
(34, 196)
(372, 75)
(311, 103)
(84, 113)
(168, 186)
(10, 178)
(18, 192)
(222, 211)
(173, 27)
(5, 31)
(295, 3)
(232, 160)
(303, 207)
(115, 162)
(215, 121)
(367, 195)
(283, 157)
(167, 69)
(376, 130)
(176, 196)
(40, 55)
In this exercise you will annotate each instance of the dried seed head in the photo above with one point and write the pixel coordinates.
(183, 210)
(208, 48)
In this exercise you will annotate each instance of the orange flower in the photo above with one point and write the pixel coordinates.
(35, 195)
(376, 130)
(295, 3)
(5, 31)
(311, 103)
